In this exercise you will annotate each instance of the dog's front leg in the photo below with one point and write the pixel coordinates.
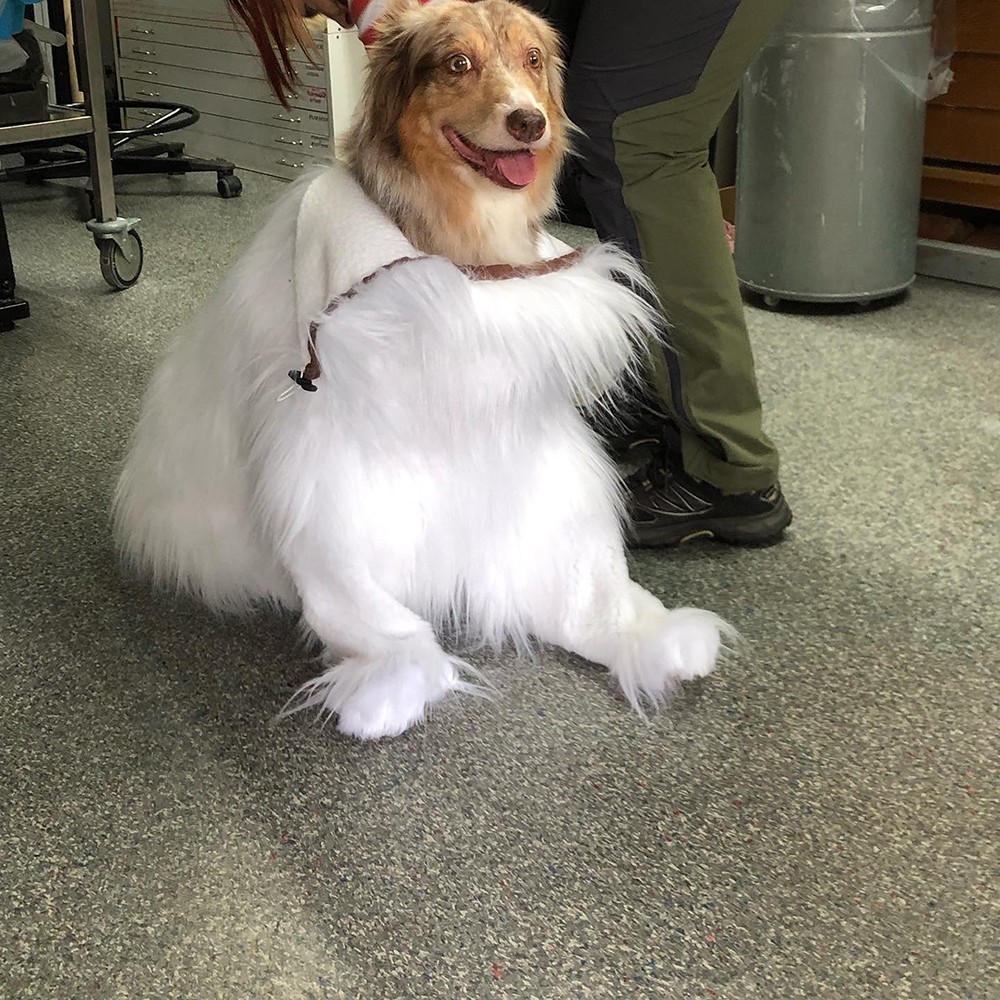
(601, 614)
(390, 668)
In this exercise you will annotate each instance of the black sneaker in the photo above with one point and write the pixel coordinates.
(668, 507)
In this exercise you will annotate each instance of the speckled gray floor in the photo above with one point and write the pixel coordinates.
(819, 819)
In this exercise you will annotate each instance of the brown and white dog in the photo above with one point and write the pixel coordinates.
(430, 467)
(461, 129)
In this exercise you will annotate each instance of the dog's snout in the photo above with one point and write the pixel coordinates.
(526, 124)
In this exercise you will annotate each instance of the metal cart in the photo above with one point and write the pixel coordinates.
(119, 244)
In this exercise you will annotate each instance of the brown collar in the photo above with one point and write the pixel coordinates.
(501, 272)
(478, 272)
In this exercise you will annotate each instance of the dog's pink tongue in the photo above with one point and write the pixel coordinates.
(517, 168)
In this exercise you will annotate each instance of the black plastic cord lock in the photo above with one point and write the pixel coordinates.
(301, 381)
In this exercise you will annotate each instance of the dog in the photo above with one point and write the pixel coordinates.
(462, 130)
(427, 470)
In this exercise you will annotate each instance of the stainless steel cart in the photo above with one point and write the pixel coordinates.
(116, 238)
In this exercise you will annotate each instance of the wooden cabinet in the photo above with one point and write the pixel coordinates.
(197, 54)
(962, 142)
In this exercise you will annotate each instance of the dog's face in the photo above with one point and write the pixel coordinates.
(472, 93)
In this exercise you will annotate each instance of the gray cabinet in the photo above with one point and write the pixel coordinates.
(198, 54)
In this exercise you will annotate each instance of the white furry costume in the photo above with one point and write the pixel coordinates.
(439, 473)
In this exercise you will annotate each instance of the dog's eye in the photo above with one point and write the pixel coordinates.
(459, 64)
(534, 59)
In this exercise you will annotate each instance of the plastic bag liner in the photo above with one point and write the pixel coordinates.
(943, 35)
(871, 19)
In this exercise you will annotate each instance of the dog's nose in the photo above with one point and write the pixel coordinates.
(526, 124)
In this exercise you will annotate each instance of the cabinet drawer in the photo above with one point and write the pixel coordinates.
(185, 10)
(968, 135)
(976, 83)
(278, 140)
(978, 26)
(153, 75)
(149, 34)
(211, 60)
(248, 156)
(223, 106)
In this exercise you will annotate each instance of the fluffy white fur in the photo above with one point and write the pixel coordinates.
(440, 475)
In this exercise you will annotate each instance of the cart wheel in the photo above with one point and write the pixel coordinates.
(121, 268)
(229, 186)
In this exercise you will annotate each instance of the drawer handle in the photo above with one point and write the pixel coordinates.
(147, 93)
(141, 52)
(147, 72)
(285, 163)
(289, 142)
(144, 31)
(286, 118)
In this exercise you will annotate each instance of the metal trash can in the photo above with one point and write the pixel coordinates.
(830, 150)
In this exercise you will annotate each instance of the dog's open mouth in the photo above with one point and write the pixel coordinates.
(510, 168)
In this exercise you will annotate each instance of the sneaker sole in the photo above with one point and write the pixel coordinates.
(758, 530)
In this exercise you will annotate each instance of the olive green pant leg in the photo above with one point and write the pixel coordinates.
(710, 385)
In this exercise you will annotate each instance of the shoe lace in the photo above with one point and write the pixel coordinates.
(643, 464)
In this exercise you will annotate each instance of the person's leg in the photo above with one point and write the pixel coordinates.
(649, 91)
(564, 16)
(661, 151)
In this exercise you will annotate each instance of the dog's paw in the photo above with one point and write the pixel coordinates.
(679, 646)
(691, 641)
(387, 701)
(381, 695)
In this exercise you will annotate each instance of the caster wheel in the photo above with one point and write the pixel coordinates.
(229, 186)
(121, 268)
(772, 302)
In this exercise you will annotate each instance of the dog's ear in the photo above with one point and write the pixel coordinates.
(398, 59)
(390, 83)
(555, 65)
